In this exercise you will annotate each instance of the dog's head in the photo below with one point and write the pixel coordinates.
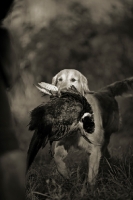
(68, 77)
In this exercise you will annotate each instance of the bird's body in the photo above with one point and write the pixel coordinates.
(56, 119)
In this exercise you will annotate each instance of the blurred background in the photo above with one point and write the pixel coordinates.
(92, 36)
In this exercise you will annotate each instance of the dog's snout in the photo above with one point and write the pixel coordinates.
(64, 87)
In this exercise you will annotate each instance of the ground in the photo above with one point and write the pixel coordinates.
(115, 180)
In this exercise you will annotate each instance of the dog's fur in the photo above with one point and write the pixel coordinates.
(106, 118)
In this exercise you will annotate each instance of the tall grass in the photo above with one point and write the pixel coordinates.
(114, 182)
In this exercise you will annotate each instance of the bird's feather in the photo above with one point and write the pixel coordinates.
(43, 90)
(35, 145)
(48, 86)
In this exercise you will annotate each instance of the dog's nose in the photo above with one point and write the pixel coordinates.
(61, 88)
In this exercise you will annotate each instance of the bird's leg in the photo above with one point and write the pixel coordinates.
(73, 127)
(50, 149)
(77, 126)
(83, 132)
(80, 125)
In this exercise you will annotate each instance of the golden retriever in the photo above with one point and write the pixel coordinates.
(68, 77)
(64, 79)
(106, 119)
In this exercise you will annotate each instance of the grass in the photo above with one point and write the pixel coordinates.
(114, 182)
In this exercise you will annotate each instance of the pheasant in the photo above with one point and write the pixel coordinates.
(57, 118)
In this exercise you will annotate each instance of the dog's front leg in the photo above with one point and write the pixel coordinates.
(94, 161)
(59, 156)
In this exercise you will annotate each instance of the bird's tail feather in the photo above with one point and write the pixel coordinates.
(122, 88)
(35, 145)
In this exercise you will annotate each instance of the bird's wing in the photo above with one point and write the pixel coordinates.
(43, 90)
(36, 117)
(48, 86)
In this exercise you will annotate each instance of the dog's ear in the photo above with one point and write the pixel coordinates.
(54, 80)
(84, 82)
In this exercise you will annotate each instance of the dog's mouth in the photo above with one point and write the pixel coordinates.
(88, 122)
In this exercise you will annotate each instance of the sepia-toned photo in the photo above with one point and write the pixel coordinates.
(66, 100)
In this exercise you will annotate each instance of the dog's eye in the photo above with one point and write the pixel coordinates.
(73, 79)
(60, 79)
